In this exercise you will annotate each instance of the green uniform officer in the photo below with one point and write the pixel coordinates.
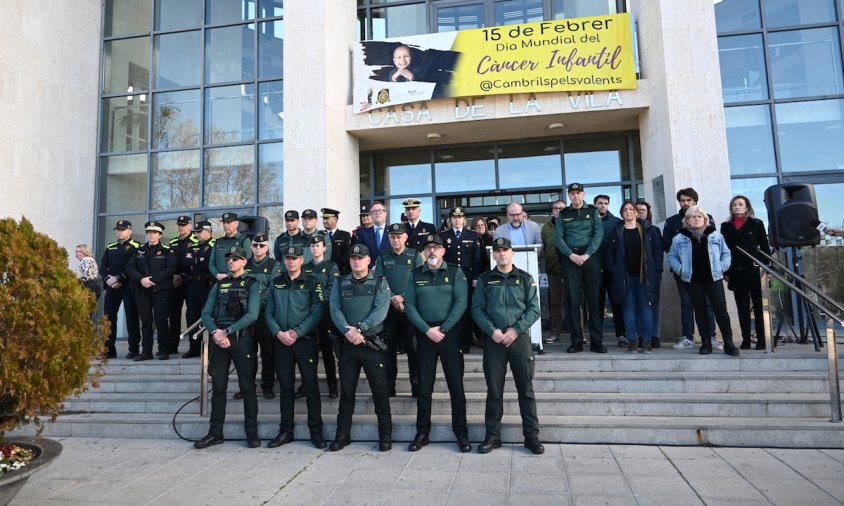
(218, 265)
(505, 305)
(436, 300)
(327, 272)
(578, 238)
(359, 303)
(294, 308)
(233, 306)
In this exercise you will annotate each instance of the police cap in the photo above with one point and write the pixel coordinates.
(397, 228)
(154, 226)
(364, 210)
(201, 225)
(236, 252)
(183, 220)
(227, 217)
(123, 225)
(260, 238)
(456, 211)
(316, 239)
(501, 243)
(575, 187)
(291, 215)
(411, 202)
(294, 251)
(328, 212)
(359, 250)
(309, 213)
(433, 239)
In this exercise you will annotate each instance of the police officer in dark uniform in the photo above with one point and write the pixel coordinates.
(263, 268)
(417, 230)
(309, 229)
(505, 305)
(578, 237)
(327, 272)
(117, 290)
(340, 240)
(181, 246)
(294, 309)
(233, 306)
(436, 301)
(198, 278)
(151, 271)
(218, 264)
(359, 304)
(291, 237)
(463, 249)
(395, 265)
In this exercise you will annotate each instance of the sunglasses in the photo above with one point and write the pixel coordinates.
(259, 245)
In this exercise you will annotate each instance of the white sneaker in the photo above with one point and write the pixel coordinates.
(622, 341)
(716, 345)
(552, 339)
(684, 344)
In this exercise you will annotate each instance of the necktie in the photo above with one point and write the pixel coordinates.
(377, 237)
(330, 235)
(457, 234)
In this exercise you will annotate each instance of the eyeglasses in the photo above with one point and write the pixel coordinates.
(514, 215)
(259, 245)
(432, 247)
(234, 259)
(558, 208)
(377, 211)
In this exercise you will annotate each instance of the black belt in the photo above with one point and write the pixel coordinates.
(579, 251)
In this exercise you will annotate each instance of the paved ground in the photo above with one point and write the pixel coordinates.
(131, 471)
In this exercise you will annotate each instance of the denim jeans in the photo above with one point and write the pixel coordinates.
(638, 316)
(687, 310)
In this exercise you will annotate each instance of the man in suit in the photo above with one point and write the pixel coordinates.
(520, 232)
(375, 238)
(341, 241)
(417, 230)
(463, 249)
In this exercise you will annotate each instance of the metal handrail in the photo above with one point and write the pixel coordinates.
(831, 343)
(195, 331)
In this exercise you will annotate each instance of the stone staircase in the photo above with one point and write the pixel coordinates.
(670, 398)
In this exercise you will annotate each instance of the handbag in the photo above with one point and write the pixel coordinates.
(95, 285)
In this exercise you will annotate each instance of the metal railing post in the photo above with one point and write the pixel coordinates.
(834, 377)
(766, 314)
(203, 379)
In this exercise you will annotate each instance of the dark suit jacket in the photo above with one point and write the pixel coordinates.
(341, 243)
(465, 253)
(416, 237)
(366, 237)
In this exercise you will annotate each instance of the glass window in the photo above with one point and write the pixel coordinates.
(399, 21)
(742, 61)
(395, 209)
(123, 183)
(175, 180)
(230, 114)
(464, 169)
(595, 160)
(617, 195)
(750, 139)
(529, 165)
(734, 15)
(126, 65)
(126, 16)
(230, 54)
(228, 11)
(403, 173)
(176, 119)
(271, 8)
(270, 172)
(513, 12)
(275, 221)
(791, 12)
(229, 176)
(810, 135)
(177, 14)
(753, 189)
(582, 8)
(460, 17)
(271, 110)
(106, 233)
(829, 207)
(805, 63)
(123, 124)
(177, 58)
(271, 48)
(365, 180)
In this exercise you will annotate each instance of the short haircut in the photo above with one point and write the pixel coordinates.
(688, 192)
(647, 206)
(695, 210)
(749, 213)
(595, 200)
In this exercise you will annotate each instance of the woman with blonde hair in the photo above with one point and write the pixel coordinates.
(87, 270)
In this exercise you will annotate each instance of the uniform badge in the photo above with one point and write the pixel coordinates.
(127, 247)
(157, 253)
(291, 249)
(588, 217)
(518, 281)
(449, 240)
(446, 279)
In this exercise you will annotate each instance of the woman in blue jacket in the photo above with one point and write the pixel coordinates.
(634, 254)
(700, 256)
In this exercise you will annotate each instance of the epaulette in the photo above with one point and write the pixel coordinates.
(212, 241)
(165, 246)
(193, 239)
(174, 240)
(109, 245)
(134, 243)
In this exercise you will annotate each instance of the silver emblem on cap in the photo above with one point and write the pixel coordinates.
(430, 238)
(291, 249)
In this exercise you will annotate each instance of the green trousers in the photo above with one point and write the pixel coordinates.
(244, 353)
(520, 357)
(352, 359)
(450, 352)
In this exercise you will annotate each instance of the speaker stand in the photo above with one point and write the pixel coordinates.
(803, 306)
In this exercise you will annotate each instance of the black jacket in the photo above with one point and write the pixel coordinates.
(157, 261)
(615, 260)
(752, 238)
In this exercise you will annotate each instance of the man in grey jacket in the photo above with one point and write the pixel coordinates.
(520, 232)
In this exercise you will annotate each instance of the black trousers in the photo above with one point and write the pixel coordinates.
(174, 318)
(302, 353)
(352, 359)
(579, 283)
(197, 297)
(450, 353)
(747, 288)
(466, 323)
(243, 353)
(153, 308)
(111, 305)
(266, 345)
(520, 357)
(713, 292)
(617, 310)
(399, 330)
(325, 341)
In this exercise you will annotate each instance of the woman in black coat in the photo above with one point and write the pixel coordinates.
(634, 254)
(743, 275)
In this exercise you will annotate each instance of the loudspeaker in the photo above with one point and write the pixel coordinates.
(251, 226)
(791, 210)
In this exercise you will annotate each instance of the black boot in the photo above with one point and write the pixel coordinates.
(760, 343)
(745, 343)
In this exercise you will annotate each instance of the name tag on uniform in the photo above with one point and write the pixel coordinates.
(347, 293)
(422, 282)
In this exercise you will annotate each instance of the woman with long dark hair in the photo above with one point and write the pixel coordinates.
(743, 276)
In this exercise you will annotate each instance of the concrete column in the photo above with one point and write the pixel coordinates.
(320, 158)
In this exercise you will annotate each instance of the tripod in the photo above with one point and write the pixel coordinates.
(810, 325)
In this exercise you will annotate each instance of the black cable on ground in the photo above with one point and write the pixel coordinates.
(183, 406)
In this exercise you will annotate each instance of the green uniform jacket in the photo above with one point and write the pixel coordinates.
(253, 307)
(360, 303)
(436, 295)
(294, 304)
(503, 300)
(326, 272)
(396, 268)
(549, 248)
(222, 245)
(285, 240)
(579, 228)
(263, 272)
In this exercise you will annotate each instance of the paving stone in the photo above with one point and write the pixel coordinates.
(538, 500)
(424, 479)
(527, 482)
(492, 480)
(591, 466)
(598, 484)
(603, 500)
(356, 496)
(417, 497)
(475, 498)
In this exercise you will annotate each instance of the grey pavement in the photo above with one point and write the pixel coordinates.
(162, 472)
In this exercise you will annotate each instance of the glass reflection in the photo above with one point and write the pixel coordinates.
(230, 176)
(582, 8)
(175, 180)
(792, 13)
(124, 123)
(754, 189)
(461, 17)
(271, 48)
(512, 12)
(176, 119)
(529, 165)
(126, 65)
(750, 139)
(406, 173)
(399, 21)
(105, 230)
(271, 110)
(230, 114)
(126, 16)
(617, 195)
(742, 61)
(810, 135)
(395, 209)
(806, 63)
(176, 56)
(177, 14)
(595, 160)
(270, 172)
(465, 169)
(228, 11)
(271, 8)
(230, 54)
(734, 15)
(275, 221)
(123, 183)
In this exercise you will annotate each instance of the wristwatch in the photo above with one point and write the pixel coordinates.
(228, 331)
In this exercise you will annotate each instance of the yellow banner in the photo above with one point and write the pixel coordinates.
(580, 54)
